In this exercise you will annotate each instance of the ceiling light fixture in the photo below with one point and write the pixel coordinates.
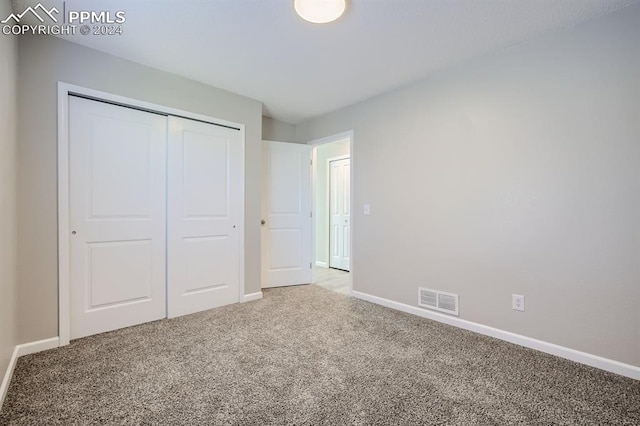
(320, 11)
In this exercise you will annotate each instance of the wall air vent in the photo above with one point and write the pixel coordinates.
(438, 300)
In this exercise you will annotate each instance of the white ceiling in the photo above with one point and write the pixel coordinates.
(261, 49)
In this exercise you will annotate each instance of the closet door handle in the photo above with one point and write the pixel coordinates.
(262, 222)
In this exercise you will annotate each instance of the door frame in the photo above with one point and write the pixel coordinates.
(64, 257)
(328, 221)
(315, 143)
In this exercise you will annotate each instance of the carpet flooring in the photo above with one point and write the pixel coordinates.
(308, 356)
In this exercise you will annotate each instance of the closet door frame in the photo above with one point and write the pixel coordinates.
(64, 231)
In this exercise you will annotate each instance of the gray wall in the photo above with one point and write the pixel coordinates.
(8, 218)
(322, 154)
(276, 130)
(43, 61)
(516, 173)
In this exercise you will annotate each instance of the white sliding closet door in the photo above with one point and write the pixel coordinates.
(155, 210)
(117, 216)
(204, 210)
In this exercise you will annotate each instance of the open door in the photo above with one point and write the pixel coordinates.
(286, 229)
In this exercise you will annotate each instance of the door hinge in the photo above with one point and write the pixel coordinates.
(310, 267)
(310, 214)
(311, 162)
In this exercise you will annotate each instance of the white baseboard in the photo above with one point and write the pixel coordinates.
(251, 297)
(322, 264)
(39, 346)
(20, 350)
(4, 386)
(528, 342)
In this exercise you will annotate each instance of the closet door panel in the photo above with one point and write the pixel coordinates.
(204, 210)
(117, 216)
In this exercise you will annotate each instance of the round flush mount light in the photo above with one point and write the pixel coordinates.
(320, 11)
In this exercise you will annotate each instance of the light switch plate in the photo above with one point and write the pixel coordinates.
(366, 209)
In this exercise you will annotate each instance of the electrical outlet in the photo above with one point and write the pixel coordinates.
(517, 302)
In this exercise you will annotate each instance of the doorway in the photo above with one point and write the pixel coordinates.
(332, 174)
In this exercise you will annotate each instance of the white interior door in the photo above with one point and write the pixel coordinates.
(287, 231)
(340, 213)
(117, 215)
(205, 212)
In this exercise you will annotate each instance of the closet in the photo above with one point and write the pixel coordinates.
(155, 203)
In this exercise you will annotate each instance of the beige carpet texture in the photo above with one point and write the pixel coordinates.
(308, 356)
